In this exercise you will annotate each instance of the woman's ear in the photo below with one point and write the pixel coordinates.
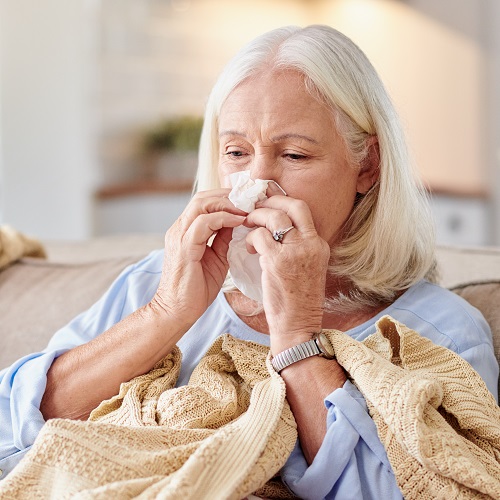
(370, 168)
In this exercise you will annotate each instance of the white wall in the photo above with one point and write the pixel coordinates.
(1, 151)
(77, 74)
(46, 118)
(433, 72)
(491, 105)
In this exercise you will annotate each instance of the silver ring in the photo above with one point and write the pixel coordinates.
(279, 233)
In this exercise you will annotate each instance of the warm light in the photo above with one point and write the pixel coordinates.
(363, 15)
(180, 5)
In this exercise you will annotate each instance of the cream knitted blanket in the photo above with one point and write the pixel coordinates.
(227, 433)
(15, 245)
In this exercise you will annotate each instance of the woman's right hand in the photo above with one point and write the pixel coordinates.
(192, 276)
(193, 272)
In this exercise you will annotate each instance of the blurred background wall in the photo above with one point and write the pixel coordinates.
(84, 84)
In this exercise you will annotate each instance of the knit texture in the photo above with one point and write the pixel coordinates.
(435, 416)
(224, 435)
(229, 431)
(15, 245)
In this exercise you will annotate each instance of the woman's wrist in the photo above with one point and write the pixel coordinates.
(326, 373)
(162, 320)
(172, 313)
(286, 340)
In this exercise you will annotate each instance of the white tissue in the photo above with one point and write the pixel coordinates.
(246, 192)
(244, 267)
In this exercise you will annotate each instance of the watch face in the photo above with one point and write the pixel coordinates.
(325, 346)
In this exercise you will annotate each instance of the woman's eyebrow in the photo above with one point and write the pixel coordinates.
(231, 132)
(277, 138)
(284, 137)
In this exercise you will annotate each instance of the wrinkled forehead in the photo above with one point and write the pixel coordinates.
(277, 76)
(274, 98)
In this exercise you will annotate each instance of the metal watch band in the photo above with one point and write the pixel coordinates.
(317, 346)
(296, 353)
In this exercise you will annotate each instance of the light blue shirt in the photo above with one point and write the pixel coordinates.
(351, 463)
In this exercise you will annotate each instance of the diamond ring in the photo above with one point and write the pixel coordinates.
(279, 233)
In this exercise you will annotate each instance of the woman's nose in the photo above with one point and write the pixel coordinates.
(262, 167)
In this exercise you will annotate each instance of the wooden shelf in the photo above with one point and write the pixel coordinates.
(452, 192)
(144, 186)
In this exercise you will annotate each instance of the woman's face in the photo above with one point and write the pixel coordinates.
(273, 127)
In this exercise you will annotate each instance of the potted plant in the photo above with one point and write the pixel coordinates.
(169, 148)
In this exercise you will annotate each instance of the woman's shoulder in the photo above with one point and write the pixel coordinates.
(151, 263)
(144, 270)
(442, 316)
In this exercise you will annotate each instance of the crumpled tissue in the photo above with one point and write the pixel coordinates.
(244, 267)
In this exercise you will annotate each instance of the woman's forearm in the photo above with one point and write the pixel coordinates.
(308, 383)
(84, 376)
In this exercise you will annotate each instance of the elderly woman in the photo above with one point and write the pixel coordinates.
(350, 242)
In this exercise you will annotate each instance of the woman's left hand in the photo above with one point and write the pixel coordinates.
(293, 270)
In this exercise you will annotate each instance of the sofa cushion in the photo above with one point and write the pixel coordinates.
(38, 297)
(104, 247)
(485, 295)
(459, 265)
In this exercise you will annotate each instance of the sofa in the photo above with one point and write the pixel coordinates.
(38, 296)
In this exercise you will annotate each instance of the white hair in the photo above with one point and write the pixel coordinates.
(388, 240)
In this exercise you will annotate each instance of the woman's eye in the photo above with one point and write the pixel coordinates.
(295, 156)
(234, 154)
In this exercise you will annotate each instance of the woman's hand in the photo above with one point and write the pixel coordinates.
(193, 272)
(293, 271)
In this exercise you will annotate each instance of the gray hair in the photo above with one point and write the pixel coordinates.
(388, 240)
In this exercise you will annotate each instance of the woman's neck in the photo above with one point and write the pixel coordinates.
(245, 307)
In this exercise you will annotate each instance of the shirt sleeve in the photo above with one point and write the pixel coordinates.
(22, 385)
(351, 462)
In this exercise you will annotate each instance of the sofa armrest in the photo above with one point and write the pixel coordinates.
(40, 296)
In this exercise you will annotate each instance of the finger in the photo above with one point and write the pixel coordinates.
(206, 205)
(269, 218)
(204, 227)
(297, 211)
(213, 192)
(260, 241)
(220, 245)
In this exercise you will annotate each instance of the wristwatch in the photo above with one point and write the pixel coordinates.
(319, 345)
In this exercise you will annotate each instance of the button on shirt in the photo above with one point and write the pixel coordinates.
(351, 463)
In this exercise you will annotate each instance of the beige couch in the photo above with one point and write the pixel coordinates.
(37, 296)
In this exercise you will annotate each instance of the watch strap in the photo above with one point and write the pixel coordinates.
(319, 345)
